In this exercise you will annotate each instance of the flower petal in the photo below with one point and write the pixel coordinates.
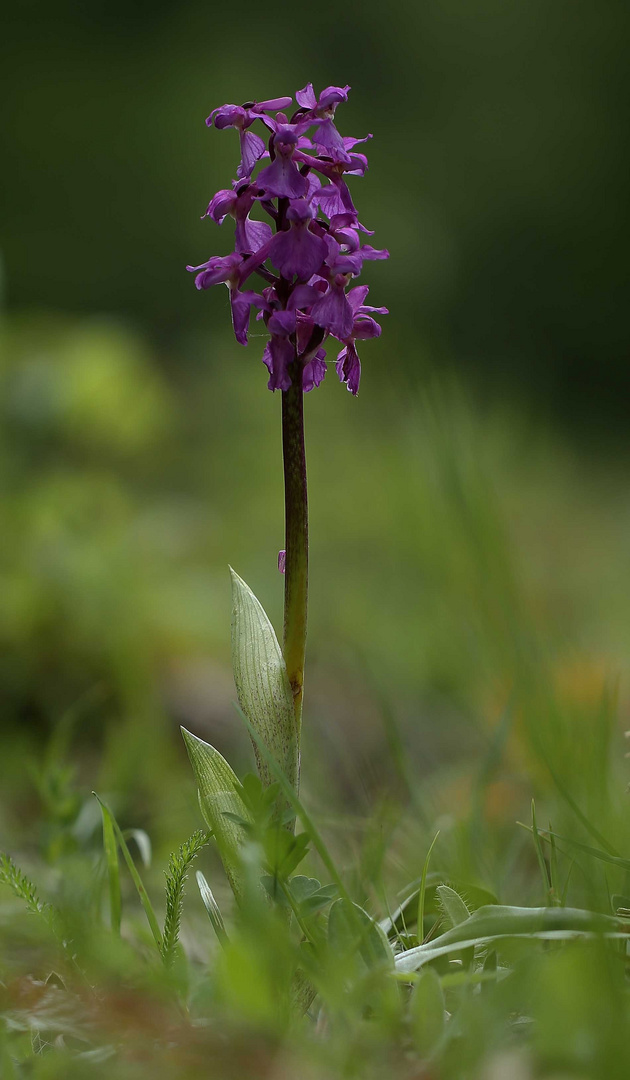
(282, 323)
(252, 148)
(241, 304)
(298, 251)
(306, 97)
(271, 104)
(334, 313)
(349, 368)
(277, 356)
(251, 235)
(282, 179)
(332, 96)
(221, 205)
(314, 371)
(227, 116)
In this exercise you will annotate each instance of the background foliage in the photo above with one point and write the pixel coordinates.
(468, 642)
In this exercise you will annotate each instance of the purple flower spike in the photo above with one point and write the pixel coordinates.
(311, 248)
(282, 561)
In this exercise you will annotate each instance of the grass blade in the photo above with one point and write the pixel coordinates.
(423, 888)
(590, 828)
(113, 871)
(211, 906)
(539, 855)
(595, 853)
(135, 876)
(555, 891)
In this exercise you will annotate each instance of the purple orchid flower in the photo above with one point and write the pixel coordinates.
(249, 235)
(314, 251)
(217, 269)
(348, 365)
(333, 311)
(297, 251)
(282, 179)
(314, 358)
(241, 304)
(279, 352)
(242, 117)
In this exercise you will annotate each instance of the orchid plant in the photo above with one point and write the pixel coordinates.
(307, 255)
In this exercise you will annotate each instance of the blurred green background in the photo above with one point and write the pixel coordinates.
(469, 512)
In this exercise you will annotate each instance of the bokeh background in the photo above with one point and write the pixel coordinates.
(470, 511)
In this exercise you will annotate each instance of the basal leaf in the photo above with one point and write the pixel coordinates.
(489, 924)
(453, 905)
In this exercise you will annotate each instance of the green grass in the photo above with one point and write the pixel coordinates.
(467, 662)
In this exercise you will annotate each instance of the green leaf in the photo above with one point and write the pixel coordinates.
(301, 887)
(211, 906)
(353, 934)
(135, 876)
(453, 905)
(426, 1012)
(220, 803)
(492, 923)
(262, 683)
(300, 810)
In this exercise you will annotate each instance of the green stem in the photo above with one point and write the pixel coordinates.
(296, 536)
